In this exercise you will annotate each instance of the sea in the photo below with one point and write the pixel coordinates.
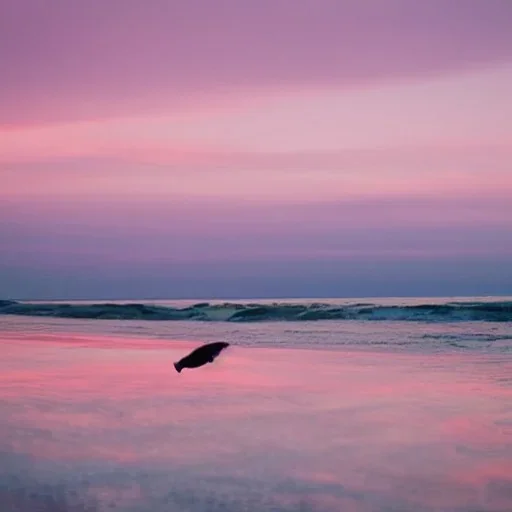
(422, 324)
(317, 405)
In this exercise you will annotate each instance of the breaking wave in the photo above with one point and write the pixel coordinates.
(497, 311)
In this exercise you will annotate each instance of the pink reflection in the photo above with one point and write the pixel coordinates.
(396, 428)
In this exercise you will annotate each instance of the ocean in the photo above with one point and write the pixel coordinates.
(321, 405)
(419, 324)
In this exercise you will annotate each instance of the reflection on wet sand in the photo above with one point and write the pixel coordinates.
(100, 422)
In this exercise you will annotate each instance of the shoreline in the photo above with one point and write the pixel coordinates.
(122, 341)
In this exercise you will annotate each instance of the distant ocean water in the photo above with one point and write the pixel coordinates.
(419, 324)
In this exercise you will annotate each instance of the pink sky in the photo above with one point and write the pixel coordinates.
(288, 129)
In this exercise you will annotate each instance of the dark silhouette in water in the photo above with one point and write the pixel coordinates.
(201, 356)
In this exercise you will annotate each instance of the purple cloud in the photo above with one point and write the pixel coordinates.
(67, 60)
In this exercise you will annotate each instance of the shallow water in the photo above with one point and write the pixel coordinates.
(94, 422)
(394, 336)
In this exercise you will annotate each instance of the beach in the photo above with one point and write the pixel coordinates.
(102, 422)
(320, 188)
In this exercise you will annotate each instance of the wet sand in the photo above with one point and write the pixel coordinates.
(96, 423)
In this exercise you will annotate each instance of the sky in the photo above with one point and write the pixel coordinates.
(269, 148)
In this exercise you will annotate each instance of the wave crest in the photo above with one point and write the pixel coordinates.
(498, 311)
